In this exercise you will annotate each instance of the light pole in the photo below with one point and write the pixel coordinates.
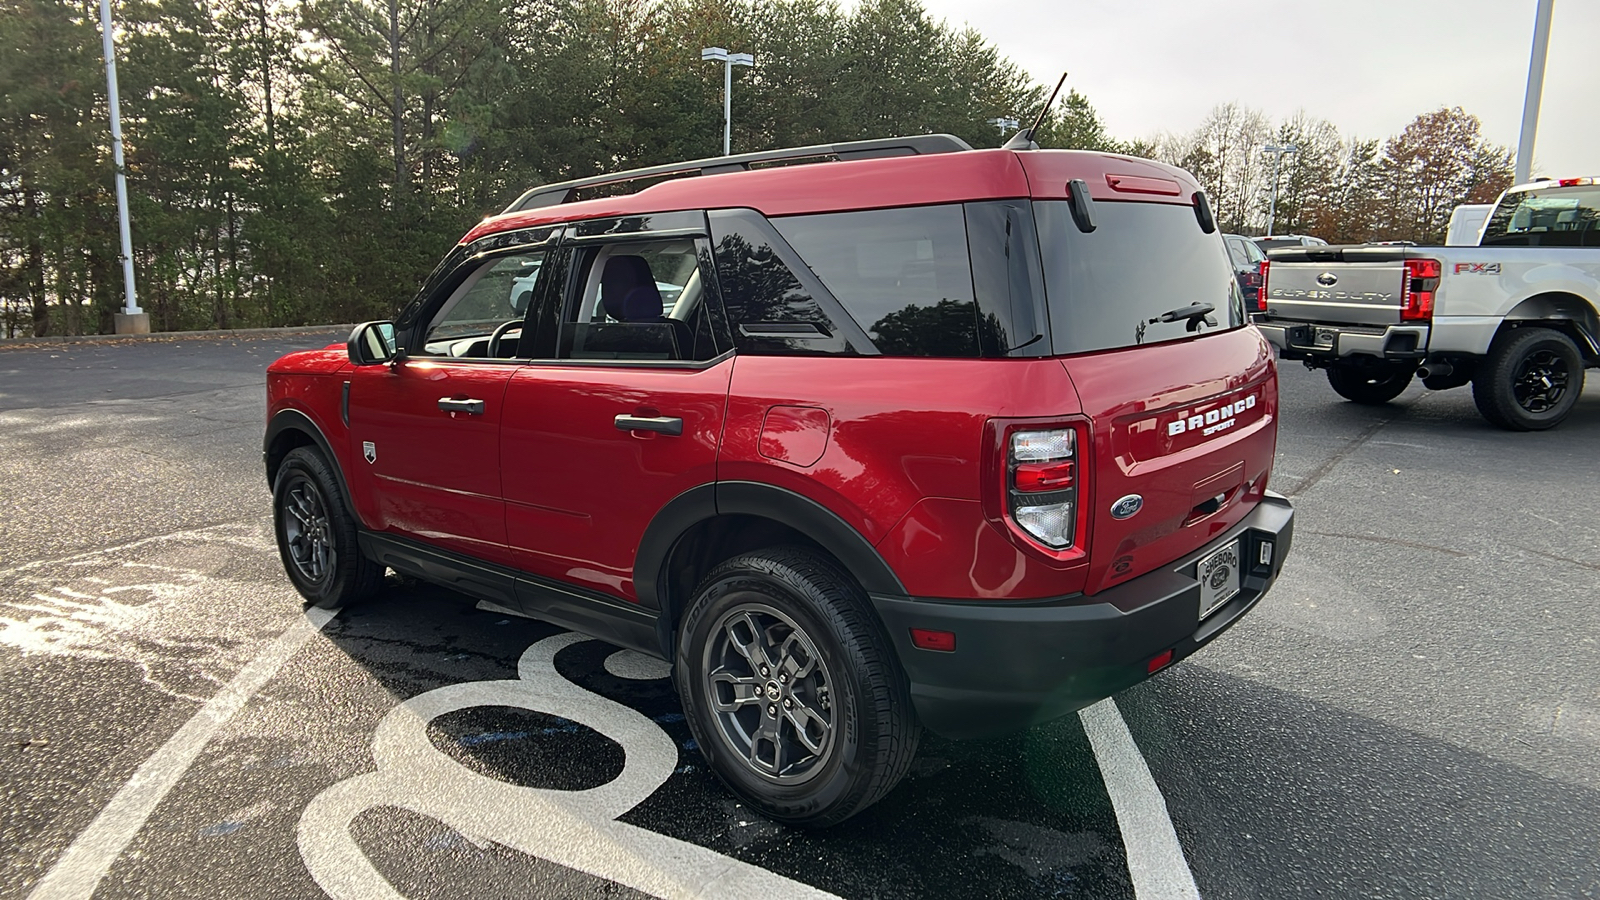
(728, 60)
(1277, 157)
(132, 319)
(1530, 101)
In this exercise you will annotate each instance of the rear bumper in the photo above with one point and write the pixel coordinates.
(1019, 664)
(1299, 340)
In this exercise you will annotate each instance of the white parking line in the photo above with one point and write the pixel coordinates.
(1155, 858)
(85, 863)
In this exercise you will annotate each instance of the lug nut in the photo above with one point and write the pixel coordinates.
(763, 671)
(772, 709)
(788, 704)
(783, 678)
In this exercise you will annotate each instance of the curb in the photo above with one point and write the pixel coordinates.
(167, 336)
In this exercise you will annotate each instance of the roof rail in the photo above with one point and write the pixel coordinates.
(572, 191)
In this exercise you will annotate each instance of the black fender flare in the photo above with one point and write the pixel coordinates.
(787, 507)
(295, 420)
(1562, 308)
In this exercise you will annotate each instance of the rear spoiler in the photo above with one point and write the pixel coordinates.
(1339, 253)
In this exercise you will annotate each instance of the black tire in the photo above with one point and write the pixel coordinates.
(1370, 385)
(317, 534)
(1530, 381)
(851, 700)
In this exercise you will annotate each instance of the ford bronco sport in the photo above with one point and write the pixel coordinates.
(864, 438)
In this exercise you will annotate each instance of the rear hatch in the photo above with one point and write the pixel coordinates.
(1336, 285)
(1183, 413)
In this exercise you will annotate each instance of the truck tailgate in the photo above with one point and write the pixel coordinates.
(1336, 285)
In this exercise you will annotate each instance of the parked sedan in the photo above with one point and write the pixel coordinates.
(1247, 258)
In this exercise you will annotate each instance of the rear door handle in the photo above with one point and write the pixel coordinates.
(470, 407)
(660, 424)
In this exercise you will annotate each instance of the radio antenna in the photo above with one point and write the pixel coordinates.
(1023, 140)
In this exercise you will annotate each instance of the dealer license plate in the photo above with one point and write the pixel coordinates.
(1218, 575)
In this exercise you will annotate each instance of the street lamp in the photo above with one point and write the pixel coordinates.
(728, 60)
(1277, 157)
(1530, 101)
(132, 319)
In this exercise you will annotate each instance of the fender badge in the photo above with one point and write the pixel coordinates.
(1127, 506)
(370, 451)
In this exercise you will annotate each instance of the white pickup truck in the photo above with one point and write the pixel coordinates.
(1517, 316)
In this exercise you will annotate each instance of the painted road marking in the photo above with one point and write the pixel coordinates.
(85, 863)
(1155, 858)
(576, 829)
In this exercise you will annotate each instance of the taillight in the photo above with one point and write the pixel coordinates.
(1574, 182)
(1261, 292)
(1041, 485)
(1422, 279)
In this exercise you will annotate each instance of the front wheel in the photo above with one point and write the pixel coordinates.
(317, 534)
(791, 688)
(1370, 385)
(1531, 380)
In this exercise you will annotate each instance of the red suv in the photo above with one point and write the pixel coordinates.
(864, 438)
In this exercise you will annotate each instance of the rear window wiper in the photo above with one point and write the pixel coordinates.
(1193, 314)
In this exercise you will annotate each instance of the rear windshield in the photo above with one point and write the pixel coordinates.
(1553, 217)
(1109, 288)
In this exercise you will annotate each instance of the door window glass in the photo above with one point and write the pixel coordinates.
(641, 300)
(483, 317)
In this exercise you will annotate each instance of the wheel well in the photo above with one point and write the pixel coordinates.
(706, 545)
(1567, 313)
(282, 443)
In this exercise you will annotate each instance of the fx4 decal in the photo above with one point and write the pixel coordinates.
(1471, 268)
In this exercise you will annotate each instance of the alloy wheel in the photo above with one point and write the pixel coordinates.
(1541, 381)
(307, 531)
(770, 691)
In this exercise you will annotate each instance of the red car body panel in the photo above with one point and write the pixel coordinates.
(434, 474)
(1133, 396)
(580, 492)
(880, 462)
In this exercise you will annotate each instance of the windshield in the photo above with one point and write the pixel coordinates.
(1550, 217)
(1143, 263)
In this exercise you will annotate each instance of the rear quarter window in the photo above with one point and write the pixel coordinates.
(1105, 287)
(902, 274)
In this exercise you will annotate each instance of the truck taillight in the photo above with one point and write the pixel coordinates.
(1261, 292)
(1422, 279)
(1041, 485)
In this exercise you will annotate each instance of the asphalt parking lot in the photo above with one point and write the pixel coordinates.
(1413, 712)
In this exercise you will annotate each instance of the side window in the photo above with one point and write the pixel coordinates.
(483, 317)
(644, 300)
(903, 275)
(775, 305)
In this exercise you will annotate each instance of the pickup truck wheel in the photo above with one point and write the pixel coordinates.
(791, 688)
(317, 535)
(1530, 381)
(1369, 385)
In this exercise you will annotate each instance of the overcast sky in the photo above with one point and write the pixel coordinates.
(1368, 66)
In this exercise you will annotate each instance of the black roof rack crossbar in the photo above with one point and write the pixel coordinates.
(913, 145)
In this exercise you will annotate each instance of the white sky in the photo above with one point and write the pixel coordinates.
(1368, 66)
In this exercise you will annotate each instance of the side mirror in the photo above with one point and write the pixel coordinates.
(373, 343)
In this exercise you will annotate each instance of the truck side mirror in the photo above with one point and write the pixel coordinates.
(373, 343)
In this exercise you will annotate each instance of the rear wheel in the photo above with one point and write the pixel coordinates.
(317, 534)
(1530, 381)
(1372, 384)
(791, 688)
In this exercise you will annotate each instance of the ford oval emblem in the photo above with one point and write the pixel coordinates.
(1327, 279)
(1127, 506)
